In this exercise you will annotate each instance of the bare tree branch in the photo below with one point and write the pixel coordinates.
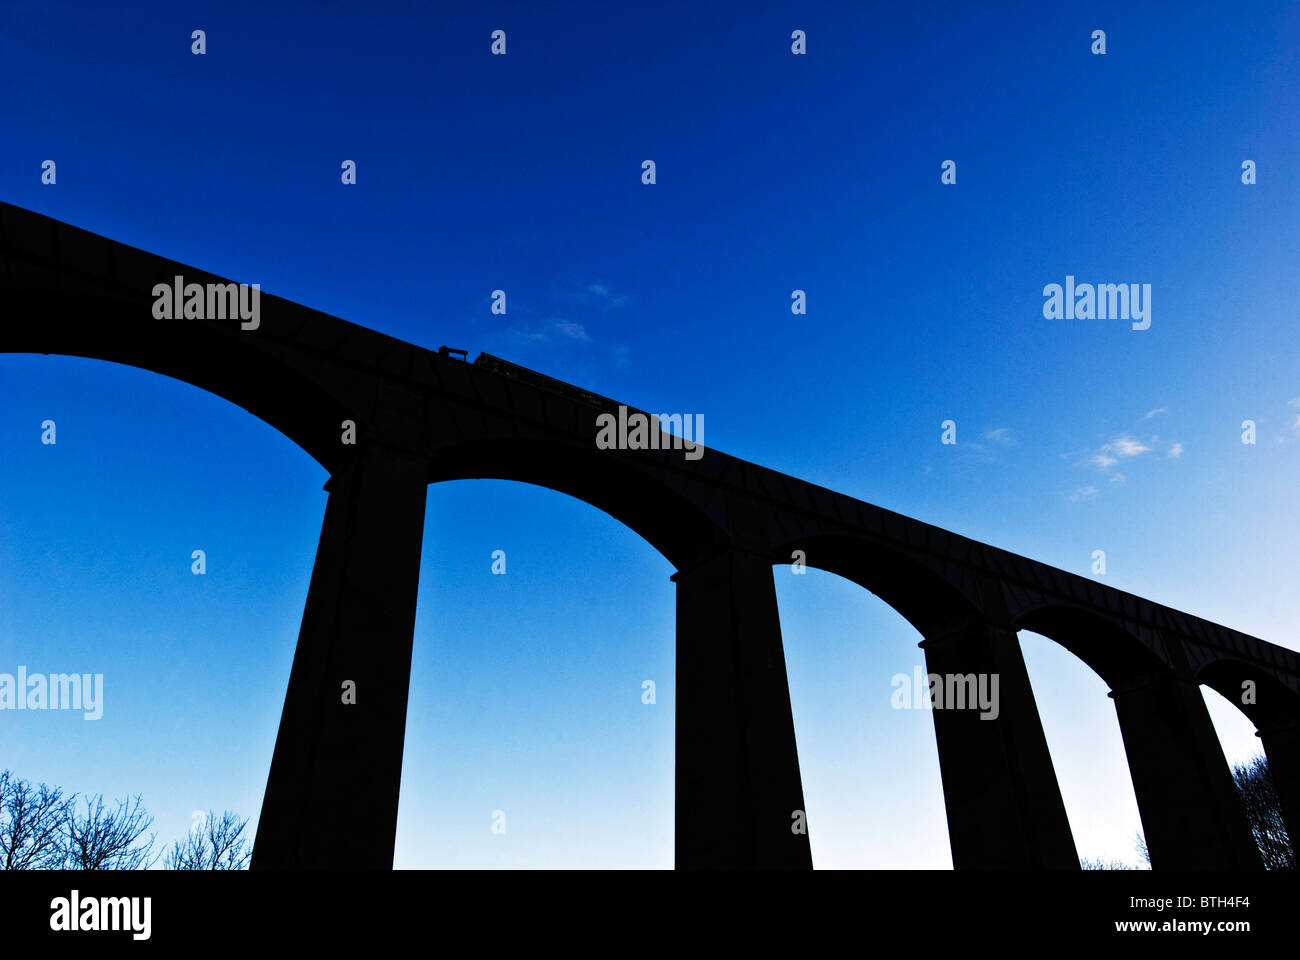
(31, 824)
(1099, 864)
(215, 846)
(1140, 843)
(1264, 811)
(109, 840)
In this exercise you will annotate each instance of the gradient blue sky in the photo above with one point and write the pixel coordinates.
(775, 172)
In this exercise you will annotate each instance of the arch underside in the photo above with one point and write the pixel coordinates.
(932, 604)
(634, 497)
(268, 387)
(924, 598)
(1265, 700)
(1114, 654)
(212, 359)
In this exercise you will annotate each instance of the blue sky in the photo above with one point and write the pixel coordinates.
(775, 172)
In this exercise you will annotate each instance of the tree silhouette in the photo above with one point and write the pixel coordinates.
(32, 821)
(41, 829)
(1144, 858)
(215, 845)
(108, 840)
(1264, 811)
(1099, 864)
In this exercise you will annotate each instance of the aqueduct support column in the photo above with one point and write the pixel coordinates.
(1282, 747)
(738, 786)
(999, 788)
(331, 797)
(1192, 817)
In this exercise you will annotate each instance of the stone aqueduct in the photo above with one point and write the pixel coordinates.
(723, 523)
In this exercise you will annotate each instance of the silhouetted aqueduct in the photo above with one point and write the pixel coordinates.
(722, 522)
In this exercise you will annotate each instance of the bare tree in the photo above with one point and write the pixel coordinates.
(1144, 859)
(41, 829)
(109, 840)
(1099, 864)
(32, 820)
(1264, 811)
(215, 845)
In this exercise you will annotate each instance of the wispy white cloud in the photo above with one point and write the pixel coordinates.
(1126, 447)
(1294, 426)
(530, 335)
(603, 295)
(1118, 450)
(574, 331)
(983, 450)
(553, 329)
(1121, 448)
(568, 320)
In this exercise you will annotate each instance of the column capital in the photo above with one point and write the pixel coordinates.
(1144, 683)
(1289, 726)
(721, 550)
(965, 629)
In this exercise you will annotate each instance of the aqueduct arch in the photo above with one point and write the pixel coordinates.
(723, 522)
(1181, 780)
